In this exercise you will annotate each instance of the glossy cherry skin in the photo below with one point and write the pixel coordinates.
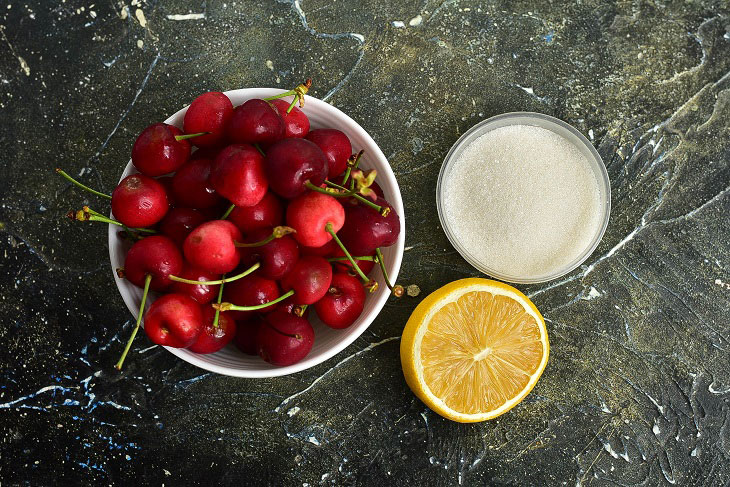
(166, 182)
(238, 175)
(245, 339)
(326, 250)
(209, 112)
(267, 213)
(290, 163)
(289, 306)
(192, 187)
(156, 152)
(173, 320)
(179, 222)
(201, 293)
(309, 214)
(251, 291)
(284, 339)
(157, 256)
(365, 229)
(276, 257)
(211, 339)
(343, 303)
(296, 123)
(255, 122)
(309, 278)
(336, 147)
(211, 246)
(345, 266)
(139, 201)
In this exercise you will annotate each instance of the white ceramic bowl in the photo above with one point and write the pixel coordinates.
(327, 342)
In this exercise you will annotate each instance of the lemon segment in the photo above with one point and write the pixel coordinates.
(473, 349)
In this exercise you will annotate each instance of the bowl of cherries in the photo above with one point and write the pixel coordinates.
(255, 233)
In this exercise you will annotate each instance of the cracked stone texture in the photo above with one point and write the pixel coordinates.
(637, 388)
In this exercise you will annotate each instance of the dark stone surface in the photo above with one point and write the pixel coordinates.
(637, 389)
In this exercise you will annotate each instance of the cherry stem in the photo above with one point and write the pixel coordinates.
(383, 210)
(228, 212)
(300, 309)
(356, 257)
(261, 151)
(189, 136)
(88, 215)
(352, 163)
(234, 307)
(298, 93)
(397, 289)
(341, 193)
(82, 186)
(220, 298)
(277, 233)
(219, 281)
(147, 280)
(366, 282)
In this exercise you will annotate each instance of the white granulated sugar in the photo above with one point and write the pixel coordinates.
(522, 200)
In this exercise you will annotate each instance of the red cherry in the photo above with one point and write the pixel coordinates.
(365, 229)
(156, 256)
(166, 182)
(309, 278)
(251, 291)
(296, 123)
(343, 303)
(326, 250)
(201, 293)
(157, 152)
(284, 339)
(276, 257)
(245, 339)
(255, 122)
(345, 266)
(179, 222)
(206, 152)
(139, 201)
(291, 163)
(267, 213)
(211, 246)
(290, 306)
(238, 175)
(174, 320)
(309, 213)
(209, 112)
(192, 187)
(212, 339)
(336, 146)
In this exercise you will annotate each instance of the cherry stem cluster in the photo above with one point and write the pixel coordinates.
(352, 163)
(234, 307)
(82, 186)
(219, 281)
(228, 212)
(147, 280)
(278, 232)
(383, 210)
(369, 284)
(220, 298)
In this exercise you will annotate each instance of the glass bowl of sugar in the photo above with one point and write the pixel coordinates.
(524, 197)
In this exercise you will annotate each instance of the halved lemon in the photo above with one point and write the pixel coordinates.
(473, 349)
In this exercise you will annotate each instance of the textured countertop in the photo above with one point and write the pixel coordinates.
(637, 388)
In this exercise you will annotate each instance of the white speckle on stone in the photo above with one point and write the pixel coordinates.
(313, 441)
(415, 21)
(293, 411)
(186, 16)
(140, 43)
(398, 24)
(590, 134)
(140, 17)
(655, 429)
(270, 64)
(724, 285)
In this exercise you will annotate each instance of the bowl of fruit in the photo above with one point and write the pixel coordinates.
(253, 237)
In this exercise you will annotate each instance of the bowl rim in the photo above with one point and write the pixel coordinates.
(524, 118)
(382, 294)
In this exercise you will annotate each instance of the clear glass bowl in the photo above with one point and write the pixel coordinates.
(538, 120)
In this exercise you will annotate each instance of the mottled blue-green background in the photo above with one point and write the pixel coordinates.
(637, 389)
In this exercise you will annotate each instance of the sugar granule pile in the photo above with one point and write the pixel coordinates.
(522, 200)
